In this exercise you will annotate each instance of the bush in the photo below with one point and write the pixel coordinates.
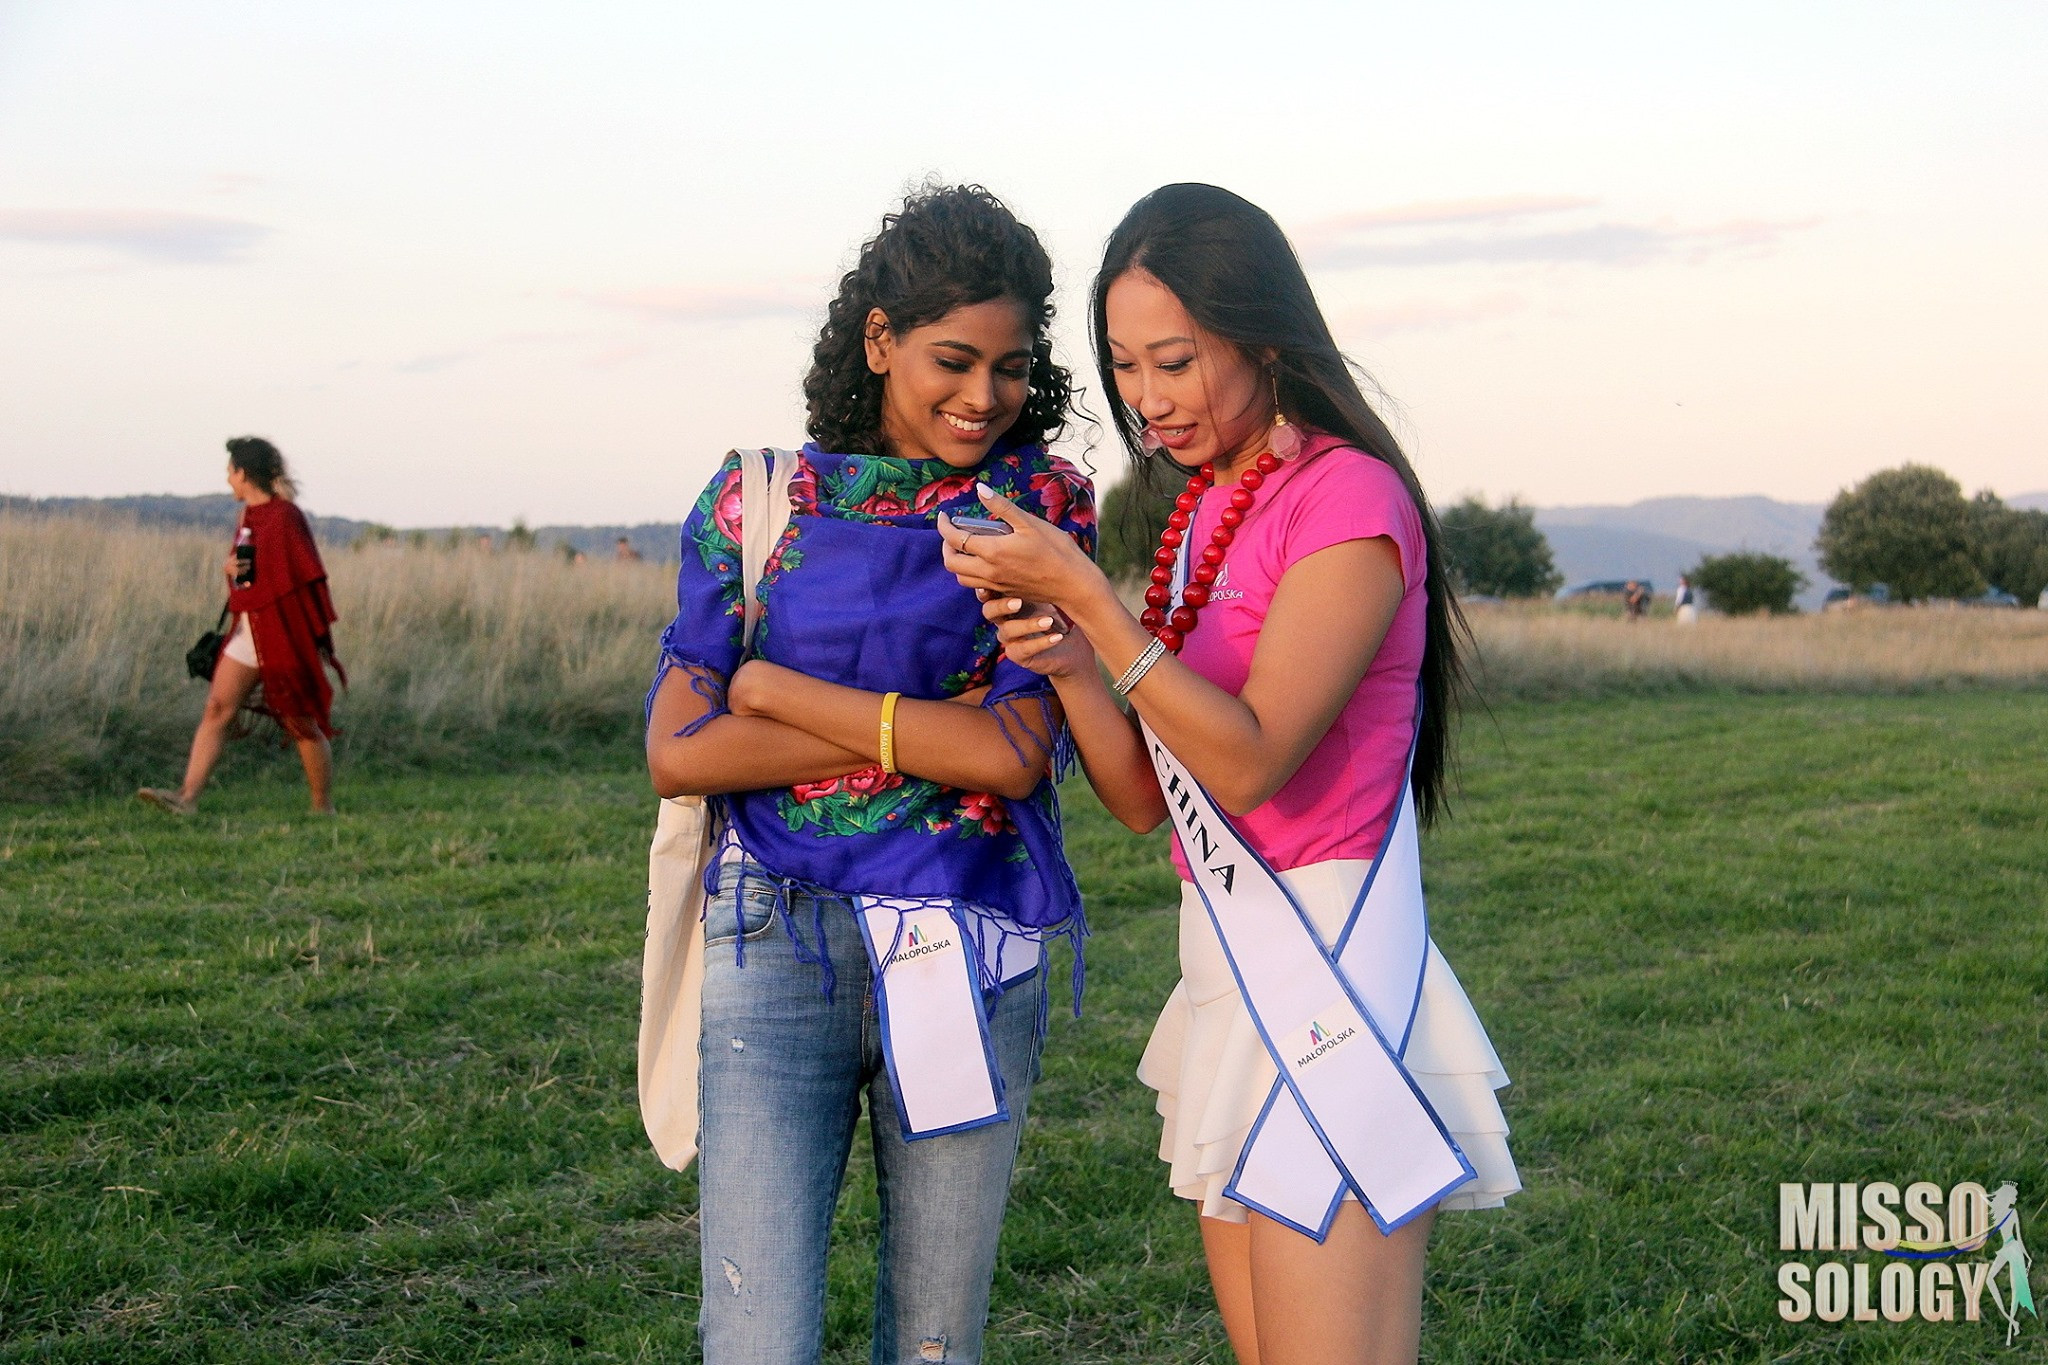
(1742, 583)
(2009, 546)
(1132, 517)
(1907, 527)
(1498, 550)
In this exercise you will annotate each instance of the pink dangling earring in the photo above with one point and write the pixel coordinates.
(1148, 439)
(1286, 439)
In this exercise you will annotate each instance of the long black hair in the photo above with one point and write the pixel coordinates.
(946, 248)
(1235, 272)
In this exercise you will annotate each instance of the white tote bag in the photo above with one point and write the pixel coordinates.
(672, 971)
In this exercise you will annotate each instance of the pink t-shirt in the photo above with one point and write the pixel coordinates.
(1339, 801)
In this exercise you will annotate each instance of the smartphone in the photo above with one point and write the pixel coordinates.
(981, 526)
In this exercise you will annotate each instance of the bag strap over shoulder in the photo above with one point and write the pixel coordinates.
(764, 515)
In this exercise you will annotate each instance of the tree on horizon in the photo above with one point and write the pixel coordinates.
(1908, 528)
(1498, 551)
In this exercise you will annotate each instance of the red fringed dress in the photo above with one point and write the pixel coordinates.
(291, 619)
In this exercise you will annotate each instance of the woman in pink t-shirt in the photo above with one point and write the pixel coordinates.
(1310, 694)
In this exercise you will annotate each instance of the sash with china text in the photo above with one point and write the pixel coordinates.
(1343, 1113)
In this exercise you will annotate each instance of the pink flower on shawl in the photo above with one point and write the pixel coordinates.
(1061, 500)
(803, 489)
(726, 509)
(885, 505)
(806, 792)
(988, 811)
(870, 780)
(942, 490)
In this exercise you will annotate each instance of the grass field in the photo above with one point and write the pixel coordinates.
(362, 1090)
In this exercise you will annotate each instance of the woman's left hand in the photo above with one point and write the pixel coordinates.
(1037, 561)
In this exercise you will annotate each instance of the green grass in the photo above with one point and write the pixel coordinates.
(362, 1089)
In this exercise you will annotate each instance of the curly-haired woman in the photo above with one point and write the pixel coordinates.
(274, 661)
(1325, 1084)
(890, 869)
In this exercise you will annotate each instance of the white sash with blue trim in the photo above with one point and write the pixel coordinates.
(928, 1001)
(1344, 1113)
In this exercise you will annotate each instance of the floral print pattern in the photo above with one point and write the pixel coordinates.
(886, 489)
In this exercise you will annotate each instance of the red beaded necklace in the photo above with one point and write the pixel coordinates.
(1173, 628)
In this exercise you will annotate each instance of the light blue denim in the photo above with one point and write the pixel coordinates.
(784, 1070)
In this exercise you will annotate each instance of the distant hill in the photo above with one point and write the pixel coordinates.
(216, 512)
(1660, 538)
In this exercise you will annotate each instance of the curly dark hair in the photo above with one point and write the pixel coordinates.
(947, 247)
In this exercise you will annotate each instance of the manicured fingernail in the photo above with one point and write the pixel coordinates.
(1016, 604)
(984, 490)
(1054, 639)
(1045, 623)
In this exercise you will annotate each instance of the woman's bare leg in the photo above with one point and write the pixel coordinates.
(1229, 1248)
(318, 756)
(1355, 1299)
(232, 684)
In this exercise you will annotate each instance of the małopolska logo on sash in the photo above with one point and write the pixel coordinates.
(918, 943)
(1917, 1238)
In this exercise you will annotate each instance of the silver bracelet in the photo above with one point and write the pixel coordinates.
(1139, 667)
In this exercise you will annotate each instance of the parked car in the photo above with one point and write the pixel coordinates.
(1993, 597)
(1841, 599)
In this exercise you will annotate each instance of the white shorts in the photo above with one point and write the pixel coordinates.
(241, 645)
(1213, 1073)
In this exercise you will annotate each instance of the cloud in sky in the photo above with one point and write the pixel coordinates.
(1522, 230)
(433, 363)
(1499, 208)
(1415, 315)
(703, 303)
(185, 238)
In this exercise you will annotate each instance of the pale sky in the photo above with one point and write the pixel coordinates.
(467, 262)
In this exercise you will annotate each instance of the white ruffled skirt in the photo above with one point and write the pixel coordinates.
(1213, 1073)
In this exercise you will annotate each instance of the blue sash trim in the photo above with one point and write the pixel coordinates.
(1286, 1079)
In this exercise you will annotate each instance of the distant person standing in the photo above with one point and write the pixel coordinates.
(274, 660)
(1635, 600)
(1686, 611)
(625, 553)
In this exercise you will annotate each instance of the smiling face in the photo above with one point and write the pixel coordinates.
(950, 388)
(1200, 395)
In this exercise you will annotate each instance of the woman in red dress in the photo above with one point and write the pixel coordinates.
(275, 659)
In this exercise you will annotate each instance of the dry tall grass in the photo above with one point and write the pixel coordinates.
(446, 651)
(1540, 651)
(454, 653)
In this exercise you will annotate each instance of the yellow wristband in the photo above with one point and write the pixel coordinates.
(888, 744)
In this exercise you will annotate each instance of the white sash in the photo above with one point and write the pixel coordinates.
(928, 1001)
(1344, 1113)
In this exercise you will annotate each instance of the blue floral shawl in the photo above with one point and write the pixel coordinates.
(854, 593)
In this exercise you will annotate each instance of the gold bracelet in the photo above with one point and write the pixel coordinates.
(888, 744)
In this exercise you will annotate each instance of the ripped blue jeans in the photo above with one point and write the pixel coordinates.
(784, 1071)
